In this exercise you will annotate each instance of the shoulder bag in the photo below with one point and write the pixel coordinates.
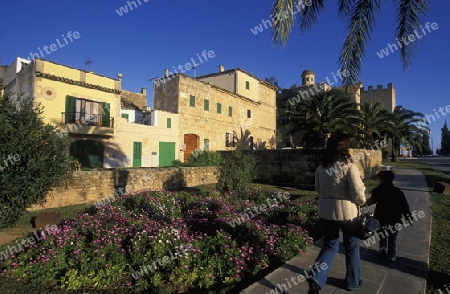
(366, 223)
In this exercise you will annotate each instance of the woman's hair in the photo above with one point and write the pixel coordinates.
(337, 150)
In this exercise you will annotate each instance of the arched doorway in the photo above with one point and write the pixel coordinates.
(191, 141)
(88, 152)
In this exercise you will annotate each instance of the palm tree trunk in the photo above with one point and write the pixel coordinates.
(395, 148)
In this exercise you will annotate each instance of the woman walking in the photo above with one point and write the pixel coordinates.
(341, 191)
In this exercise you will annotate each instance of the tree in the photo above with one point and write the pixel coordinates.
(283, 97)
(426, 145)
(407, 128)
(273, 81)
(360, 17)
(445, 140)
(33, 159)
(325, 114)
(375, 123)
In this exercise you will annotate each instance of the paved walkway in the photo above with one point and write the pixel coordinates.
(407, 275)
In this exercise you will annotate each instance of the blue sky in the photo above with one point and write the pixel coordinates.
(157, 35)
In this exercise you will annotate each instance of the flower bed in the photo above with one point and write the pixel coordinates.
(175, 241)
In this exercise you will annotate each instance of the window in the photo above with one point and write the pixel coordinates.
(252, 145)
(230, 140)
(192, 101)
(206, 144)
(169, 123)
(307, 79)
(206, 104)
(230, 111)
(247, 85)
(219, 108)
(249, 113)
(87, 112)
(126, 116)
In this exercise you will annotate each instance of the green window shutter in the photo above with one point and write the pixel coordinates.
(219, 108)
(230, 111)
(247, 85)
(71, 103)
(125, 115)
(192, 101)
(105, 114)
(206, 106)
(169, 123)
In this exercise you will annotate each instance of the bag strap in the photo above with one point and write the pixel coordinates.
(360, 208)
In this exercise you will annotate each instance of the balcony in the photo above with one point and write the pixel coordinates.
(87, 124)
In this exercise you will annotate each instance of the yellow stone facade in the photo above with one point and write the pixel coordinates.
(112, 139)
(210, 114)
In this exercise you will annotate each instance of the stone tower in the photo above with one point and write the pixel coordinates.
(308, 77)
(385, 96)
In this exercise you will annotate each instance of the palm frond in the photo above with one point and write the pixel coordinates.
(285, 12)
(310, 14)
(409, 13)
(281, 27)
(345, 7)
(361, 22)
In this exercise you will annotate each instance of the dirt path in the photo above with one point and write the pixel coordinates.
(11, 234)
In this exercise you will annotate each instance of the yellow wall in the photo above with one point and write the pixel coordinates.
(52, 94)
(150, 136)
(253, 91)
(214, 126)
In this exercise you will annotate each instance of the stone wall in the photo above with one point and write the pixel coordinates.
(89, 187)
(385, 96)
(296, 167)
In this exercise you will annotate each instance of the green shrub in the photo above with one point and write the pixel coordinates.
(177, 163)
(236, 170)
(204, 158)
(33, 159)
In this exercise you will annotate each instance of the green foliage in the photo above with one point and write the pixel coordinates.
(445, 141)
(178, 163)
(137, 245)
(235, 171)
(325, 114)
(359, 18)
(204, 158)
(33, 159)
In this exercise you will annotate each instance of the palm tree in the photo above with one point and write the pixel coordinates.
(375, 123)
(360, 16)
(407, 128)
(325, 114)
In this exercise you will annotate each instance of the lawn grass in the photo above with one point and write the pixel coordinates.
(439, 267)
(24, 224)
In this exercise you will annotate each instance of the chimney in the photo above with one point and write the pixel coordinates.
(166, 72)
(221, 68)
(144, 91)
(119, 83)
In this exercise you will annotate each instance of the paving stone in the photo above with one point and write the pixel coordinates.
(406, 275)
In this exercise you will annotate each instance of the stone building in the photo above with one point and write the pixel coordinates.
(385, 96)
(218, 109)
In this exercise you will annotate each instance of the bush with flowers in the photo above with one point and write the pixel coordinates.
(133, 244)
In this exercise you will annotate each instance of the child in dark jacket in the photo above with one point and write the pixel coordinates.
(391, 207)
